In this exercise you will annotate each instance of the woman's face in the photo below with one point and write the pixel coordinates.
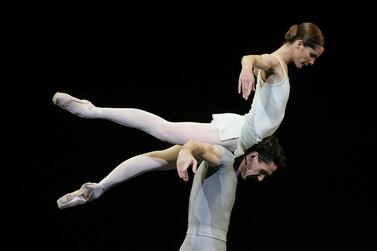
(305, 55)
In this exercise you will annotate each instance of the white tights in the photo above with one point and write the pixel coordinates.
(171, 132)
(132, 167)
(176, 133)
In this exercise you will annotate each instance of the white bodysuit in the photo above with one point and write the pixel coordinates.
(265, 116)
(211, 202)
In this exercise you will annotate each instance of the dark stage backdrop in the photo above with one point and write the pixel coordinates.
(185, 68)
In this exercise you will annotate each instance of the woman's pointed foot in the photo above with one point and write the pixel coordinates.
(79, 107)
(88, 192)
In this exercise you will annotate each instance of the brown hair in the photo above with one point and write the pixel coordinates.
(309, 33)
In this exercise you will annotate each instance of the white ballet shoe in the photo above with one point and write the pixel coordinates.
(87, 192)
(80, 107)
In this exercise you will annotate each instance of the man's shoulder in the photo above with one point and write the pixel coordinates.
(226, 156)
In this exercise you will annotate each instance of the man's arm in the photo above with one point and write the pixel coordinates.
(192, 150)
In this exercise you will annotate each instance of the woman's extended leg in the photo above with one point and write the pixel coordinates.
(171, 132)
(157, 160)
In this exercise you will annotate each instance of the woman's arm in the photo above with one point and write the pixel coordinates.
(192, 150)
(250, 66)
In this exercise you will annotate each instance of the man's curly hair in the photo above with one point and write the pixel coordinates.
(269, 149)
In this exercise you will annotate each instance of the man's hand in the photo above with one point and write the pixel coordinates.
(184, 161)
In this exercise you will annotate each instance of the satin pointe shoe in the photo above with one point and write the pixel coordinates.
(78, 197)
(80, 107)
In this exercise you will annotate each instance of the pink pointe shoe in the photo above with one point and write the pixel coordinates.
(79, 107)
(87, 192)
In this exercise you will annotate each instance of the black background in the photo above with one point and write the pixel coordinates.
(183, 64)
